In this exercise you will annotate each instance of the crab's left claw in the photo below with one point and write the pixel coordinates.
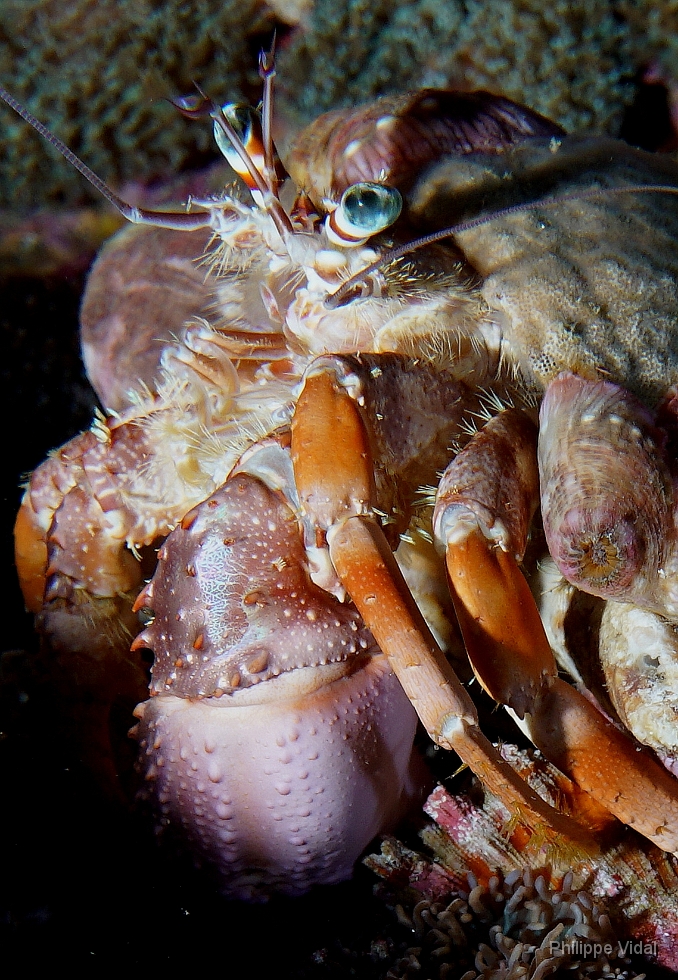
(485, 503)
(336, 493)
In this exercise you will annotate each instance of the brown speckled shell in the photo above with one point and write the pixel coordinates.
(584, 285)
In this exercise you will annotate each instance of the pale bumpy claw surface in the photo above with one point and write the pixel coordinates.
(286, 793)
(280, 742)
(233, 603)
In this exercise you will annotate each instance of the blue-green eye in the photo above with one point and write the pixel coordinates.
(369, 208)
(364, 210)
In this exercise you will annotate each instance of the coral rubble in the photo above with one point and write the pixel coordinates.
(486, 900)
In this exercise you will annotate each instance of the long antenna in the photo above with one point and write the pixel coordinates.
(337, 298)
(179, 220)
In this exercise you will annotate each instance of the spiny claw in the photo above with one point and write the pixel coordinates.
(233, 604)
(78, 573)
(62, 499)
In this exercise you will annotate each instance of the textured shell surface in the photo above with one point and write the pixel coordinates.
(587, 285)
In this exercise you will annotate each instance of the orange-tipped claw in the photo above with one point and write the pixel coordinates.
(334, 490)
(512, 658)
(330, 450)
(500, 622)
(369, 571)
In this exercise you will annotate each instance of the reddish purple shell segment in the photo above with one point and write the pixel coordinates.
(144, 286)
(392, 139)
(233, 603)
(607, 495)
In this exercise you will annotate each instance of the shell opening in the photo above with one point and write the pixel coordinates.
(599, 560)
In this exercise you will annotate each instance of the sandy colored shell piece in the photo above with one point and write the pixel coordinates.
(589, 284)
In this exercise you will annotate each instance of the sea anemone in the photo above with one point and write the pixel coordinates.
(483, 904)
(518, 927)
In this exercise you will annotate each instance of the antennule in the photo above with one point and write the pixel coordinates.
(273, 169)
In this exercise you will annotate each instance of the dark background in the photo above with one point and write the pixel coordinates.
(81, 881)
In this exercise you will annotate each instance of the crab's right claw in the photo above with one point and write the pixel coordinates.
(485, 504)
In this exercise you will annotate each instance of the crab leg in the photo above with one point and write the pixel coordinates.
(335, 493)
(485, 532)
(81, 578)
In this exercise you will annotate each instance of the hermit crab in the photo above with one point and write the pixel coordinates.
(447, 257)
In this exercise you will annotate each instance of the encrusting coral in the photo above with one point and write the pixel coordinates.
(572, 61)
(575, 62)
(97, 71)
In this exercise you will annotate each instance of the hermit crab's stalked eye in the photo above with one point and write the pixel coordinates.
(364, 210)
(245, 140)
(246, 122)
